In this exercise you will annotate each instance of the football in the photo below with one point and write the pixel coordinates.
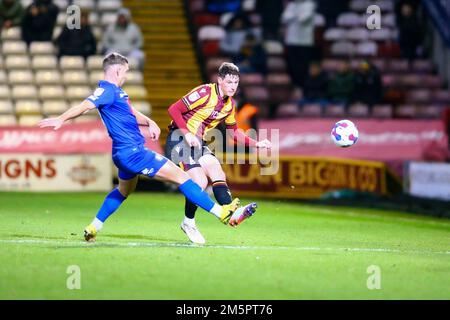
(344, 133)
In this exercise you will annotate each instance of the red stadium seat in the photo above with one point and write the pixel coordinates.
(335, 110)
(251, 79)
(278, 79)
(358, 110)
(405, 111)
(256, 93)
(441, 96)
(203, 19)
(277, 64)
(287, 110)
(418, 96)
(311, 110)
(279, 94)
(382, 111)
(210, 48)
(429, 111)
(422, 66)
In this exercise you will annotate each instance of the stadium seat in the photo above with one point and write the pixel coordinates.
(276, 64)
(196, 6)
(279, 94)
(24, 92)
(358, 110)
(334, 110)
(61, 4)
(48, 77)
(95, 63)
(251, 79)
(431, 81)
(6, 106)
(348, 19)
(136, 92)
(441, 96)
(74, 77)
(287, 110)
(3, 77)
(86, 4)
(211, 33)
(61, 19)
(14, 48)
(422, 66)
(17, 62)
(51, 92)
(46, 62)
(418, 96)
(256, 93)
(95, 77)
(31, 106)
(20, 77)
(41, 48)
(405, 111)
(411, 80)
(2, 63)
(29, 120)
(56, 32)
(13, 33)
(5, 92)
(385, 5)
(383, 34)
(330, 65)
(210, 48)
(248, 5)
(273, 47)
(311, 110)
(255, 20)
(366, 48)
(429, 111)
(71, 62)
(335, 34)
(278, 79)
(108, 18)
(98, 34)
(382, 111)
(342, 48)
(359, 5)
(205, 19)
(398, 65)
(7, 120)
(78, 92)
(54, 107)
(388, 20)
(135, 77)
(111, 5)
(357, 34)
(142, 106)
(319, 20)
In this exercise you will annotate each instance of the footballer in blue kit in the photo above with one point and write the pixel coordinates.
(129, 154)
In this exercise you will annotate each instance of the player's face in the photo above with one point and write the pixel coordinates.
(229, 84)
(122, 74)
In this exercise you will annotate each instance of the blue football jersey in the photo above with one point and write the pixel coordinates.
(113, 105)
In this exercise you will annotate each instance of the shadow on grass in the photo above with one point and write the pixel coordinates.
(138, 237)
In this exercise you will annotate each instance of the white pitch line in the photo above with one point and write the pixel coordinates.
(188, 245)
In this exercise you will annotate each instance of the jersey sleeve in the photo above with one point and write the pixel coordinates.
(197, 97)
(102, 96)
(231, 118)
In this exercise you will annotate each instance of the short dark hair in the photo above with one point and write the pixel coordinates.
(114, 58)
(228, 68)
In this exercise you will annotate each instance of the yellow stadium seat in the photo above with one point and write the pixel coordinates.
(24, 92)
(7, 120)
(69, 62)
(44, 62)
(5, 92)
(51, 92)
(54, 107)
(78, 92)
(95, 63)
(136, 92)
(143, 107)
(28, 107)
(48, 77)
(13, 33)
(29, 120)
(95, 77)
(74, 77)
(6, 107)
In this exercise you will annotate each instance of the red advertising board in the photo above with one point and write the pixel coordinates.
(384, 140)
(86, 137)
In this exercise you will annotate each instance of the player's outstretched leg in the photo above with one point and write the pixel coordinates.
(111, 203)
(242, 213)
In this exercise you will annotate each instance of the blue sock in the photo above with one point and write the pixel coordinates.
(112, 201)
(195, 194)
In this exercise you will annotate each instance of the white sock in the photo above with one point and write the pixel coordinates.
(190, 222)
(217, 210)
(97, 224)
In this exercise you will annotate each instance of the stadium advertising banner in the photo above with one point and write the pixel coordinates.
(40, 172)
(429, 180)
(307, 177)
(380, 140)
(86, 137)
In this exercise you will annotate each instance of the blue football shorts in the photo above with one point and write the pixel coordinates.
(137, 160)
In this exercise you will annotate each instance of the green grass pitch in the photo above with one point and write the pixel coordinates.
(286, 251)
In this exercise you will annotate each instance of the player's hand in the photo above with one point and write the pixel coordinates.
(265, 144)
(154, 130)
(192, 140)
(56, 123)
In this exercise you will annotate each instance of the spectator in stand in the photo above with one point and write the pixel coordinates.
(410, 34)
(39, 21)
(237, 30)
(253, 57)
(77, 42)
(315, 88)
(220, 6)
(341, 87)
(368, 87)
(124, 37)
(11, 13)
(270, 11)
(298, 17)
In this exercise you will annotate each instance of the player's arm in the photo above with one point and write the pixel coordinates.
(143, 120)
(73, 112)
